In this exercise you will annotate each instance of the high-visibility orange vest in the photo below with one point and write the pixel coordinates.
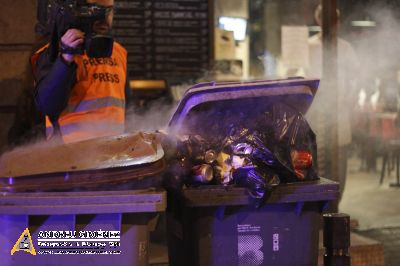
(96, 106)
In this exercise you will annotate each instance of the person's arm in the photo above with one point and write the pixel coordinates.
(54, 82)
(55, 79)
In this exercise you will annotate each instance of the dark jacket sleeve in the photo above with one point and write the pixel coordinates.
(54, 81)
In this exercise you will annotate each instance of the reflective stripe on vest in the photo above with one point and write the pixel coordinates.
(91, 125)
(92, 104)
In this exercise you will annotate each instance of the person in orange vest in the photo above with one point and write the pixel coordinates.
(79, 88)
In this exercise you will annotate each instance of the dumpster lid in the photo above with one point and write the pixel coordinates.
(297, 93)
(94, 154)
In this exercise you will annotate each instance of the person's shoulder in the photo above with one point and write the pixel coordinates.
(119, 46)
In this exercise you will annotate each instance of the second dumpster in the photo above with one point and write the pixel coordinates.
(271, 216)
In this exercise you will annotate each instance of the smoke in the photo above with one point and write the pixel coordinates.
(153, 117)
(373, 67)
(377, 49)
(10, 160)
(367, 67)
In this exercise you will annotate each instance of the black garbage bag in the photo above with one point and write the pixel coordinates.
(295, 144)
(278, 143)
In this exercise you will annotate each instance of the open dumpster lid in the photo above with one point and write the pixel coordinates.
(297, 93)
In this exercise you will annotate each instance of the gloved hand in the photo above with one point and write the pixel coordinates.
(71, 39)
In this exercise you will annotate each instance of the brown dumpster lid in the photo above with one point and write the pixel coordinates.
(95, 154)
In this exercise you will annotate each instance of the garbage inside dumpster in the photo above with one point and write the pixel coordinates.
(256, 141)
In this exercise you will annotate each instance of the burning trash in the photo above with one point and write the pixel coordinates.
(258, 152)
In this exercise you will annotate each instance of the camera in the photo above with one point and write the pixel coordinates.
(57, 16)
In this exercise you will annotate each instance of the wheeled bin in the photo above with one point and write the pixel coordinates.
(221, 224)
(85, 203)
